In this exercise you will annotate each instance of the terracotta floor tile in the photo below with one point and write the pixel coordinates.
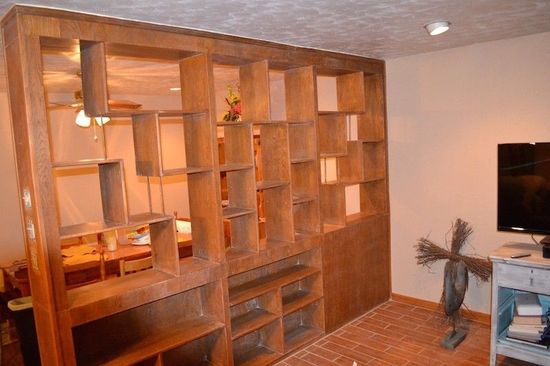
(385, 337)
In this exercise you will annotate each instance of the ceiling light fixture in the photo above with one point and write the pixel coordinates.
(175, 89)
(438, 27)
(84, 121)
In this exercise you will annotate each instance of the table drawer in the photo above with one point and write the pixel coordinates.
(523, 278)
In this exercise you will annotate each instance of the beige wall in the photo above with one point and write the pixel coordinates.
(11, 237)
(447, 111)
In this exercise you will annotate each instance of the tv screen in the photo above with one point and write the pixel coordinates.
(524, 187)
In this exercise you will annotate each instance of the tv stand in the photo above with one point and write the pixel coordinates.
(512, 276)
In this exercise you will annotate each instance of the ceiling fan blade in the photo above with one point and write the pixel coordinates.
(65, 105)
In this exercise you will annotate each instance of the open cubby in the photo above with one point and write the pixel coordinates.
(254, 313)
(163, 325)
(261, 347)
(301, 293)
(148, 146)
(303, 326)
(332, 134)
(112, 192)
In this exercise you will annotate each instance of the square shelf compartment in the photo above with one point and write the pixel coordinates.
(155, 134)
(261, 347)
(301, 293)
(303, 326)
(163, 325)
(112, 194)
(250, 315)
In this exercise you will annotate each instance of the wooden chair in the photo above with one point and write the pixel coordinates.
(135, 265)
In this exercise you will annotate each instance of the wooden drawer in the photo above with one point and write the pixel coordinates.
(523, 278)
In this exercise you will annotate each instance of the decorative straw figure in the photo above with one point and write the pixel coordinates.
(455, 281)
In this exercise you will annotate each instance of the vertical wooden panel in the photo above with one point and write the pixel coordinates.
(333, 204)
(301, 94)
(371, 125)
(195, 95)
(147, 148)
(29, 121)
(254, 79)
(356, 270)
(350, 90)
(113, 192)
(94, 78)
(165, 246)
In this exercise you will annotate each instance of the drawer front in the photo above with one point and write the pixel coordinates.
(523, 278)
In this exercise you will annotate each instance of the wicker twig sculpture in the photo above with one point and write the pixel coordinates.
(456, 274)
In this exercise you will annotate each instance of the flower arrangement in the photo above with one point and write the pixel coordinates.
(233, 100)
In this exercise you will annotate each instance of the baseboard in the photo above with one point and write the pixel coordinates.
(430, 305)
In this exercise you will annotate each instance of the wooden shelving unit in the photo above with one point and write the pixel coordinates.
(258, 283)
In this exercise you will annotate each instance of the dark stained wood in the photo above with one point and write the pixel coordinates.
(94, 78)
(350, 89)
(113, 192)
(278, 289)
(356, 270)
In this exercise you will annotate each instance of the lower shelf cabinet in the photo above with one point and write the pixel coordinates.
(253, 314)
(186, 324)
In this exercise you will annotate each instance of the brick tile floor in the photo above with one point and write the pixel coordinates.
(397, 334)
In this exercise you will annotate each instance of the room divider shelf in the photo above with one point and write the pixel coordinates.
(245, 298)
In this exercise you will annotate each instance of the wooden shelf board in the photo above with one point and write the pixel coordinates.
(187, 170)
(300, 336)
(84, 162)
(101, 299)
(304, 198)
(73, 231)
(104, 298)
(299, 123)
(354, 182)
(232, 212)
(371, 140)
(269, 122)
(338, 154)
(327, 228)
(340, 112)
(232, 124)
(267, 283)
(161, 340)
(257, 356)
(268, 184)
(301, 159)
(162, 113)
(148, 218)
(236, 253)
(251, 321)
(234, 167)
(297, 300)
(361, 216)
(303, 235)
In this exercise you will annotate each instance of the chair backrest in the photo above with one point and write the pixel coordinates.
(135, 265)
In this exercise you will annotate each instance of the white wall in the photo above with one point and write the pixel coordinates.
(447, 111)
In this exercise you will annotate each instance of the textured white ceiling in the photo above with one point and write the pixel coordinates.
(375, 28)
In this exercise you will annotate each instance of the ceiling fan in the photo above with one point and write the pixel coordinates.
(84, 120)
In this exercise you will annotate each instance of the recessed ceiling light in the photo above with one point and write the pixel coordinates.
(438, 27)
(175, 89)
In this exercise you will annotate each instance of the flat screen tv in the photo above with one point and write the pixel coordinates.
(524, 188)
